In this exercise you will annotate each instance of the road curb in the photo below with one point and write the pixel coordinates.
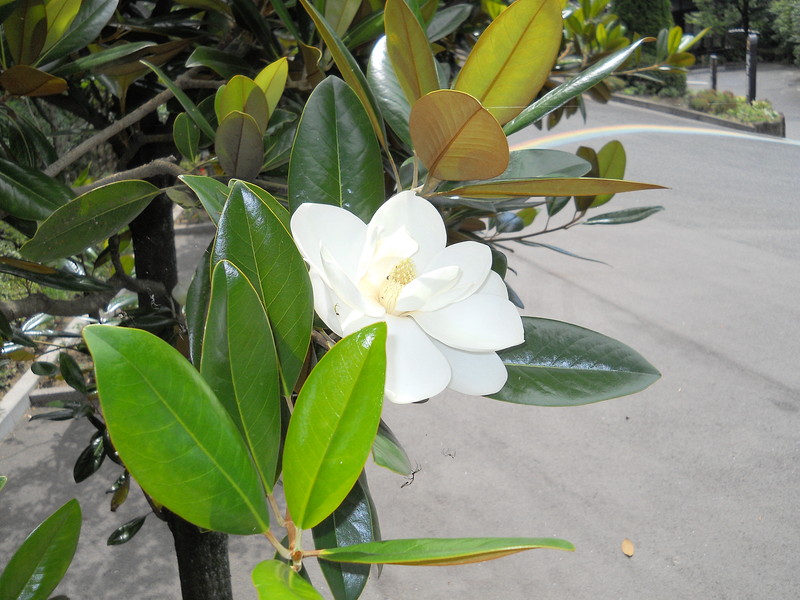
(776, 129)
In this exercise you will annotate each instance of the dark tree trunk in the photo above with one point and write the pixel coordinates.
(154, 251)
(202, 561)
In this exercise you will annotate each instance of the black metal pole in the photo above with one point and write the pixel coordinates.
(750, 66)
(714, 61)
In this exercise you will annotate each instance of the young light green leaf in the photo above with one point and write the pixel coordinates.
(333, 425)
(40, 562)
(513, 57)
(275, 580)
(30, 194)
(272, 81)
(409, 50)
(557, 97)
(335, 158)
(620, 217)
(340, 14)
(26, 30)
(253, 236)
(611, 162)
(353, 522)
(60, 14)
(560, 364)
(172, 433)
(439, 551)
(212, 193)
(89, 219)
(240, 364)
(243, 95)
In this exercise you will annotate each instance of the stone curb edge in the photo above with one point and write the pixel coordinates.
(777, 129)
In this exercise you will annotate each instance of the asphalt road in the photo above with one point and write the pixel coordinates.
(699, 471)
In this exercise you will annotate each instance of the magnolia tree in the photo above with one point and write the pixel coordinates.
(355, 162)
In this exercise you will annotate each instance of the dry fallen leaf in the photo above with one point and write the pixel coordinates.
(627, 547)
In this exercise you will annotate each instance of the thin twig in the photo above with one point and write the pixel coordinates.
(159, 166)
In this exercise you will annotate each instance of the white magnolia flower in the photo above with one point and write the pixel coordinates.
(446, 311)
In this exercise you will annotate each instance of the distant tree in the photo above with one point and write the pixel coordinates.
(722, 15)
(645, 17)
(786, 25)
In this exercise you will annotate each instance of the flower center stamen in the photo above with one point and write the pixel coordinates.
(389, 290)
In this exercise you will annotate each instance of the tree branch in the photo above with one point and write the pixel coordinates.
(41, 303)
(159, 166)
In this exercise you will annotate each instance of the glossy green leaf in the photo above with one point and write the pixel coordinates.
(50, 277)
(241, 366)
(90, 459)
(223, 63)
(3, 481)
(253, 236)
(333, 425)
(120, 490)
(239, 145)
(513, 57)
(29, 193)
(276, 207)
(189, 106)
(387, 451)
(349, 69)
(85, 27)
(355, 521)
(340, 14)
(89, 219)
(125, 532)
(447, 20)
(565, 92)
(366, 30)
(212, 193)
(38, 565)
(409, 50)
(547, 186)
(275, 580)
(393, 103)
(174, 436)
(186, 136)
(44, 369)
(439, 551)
(279, 139)
(72, 373)
(25, 31)
(196, 309)
(611, 162)
(620, 217)
(272, 81)
(560, 364)
(335, 158)
(100, 58)
(456, 138)
(248, 16)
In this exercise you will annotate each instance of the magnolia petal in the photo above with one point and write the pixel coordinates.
(494, 286)
(419, 292)
(479, 323)
(328, 306)
(473, 259)
(419, 217)
(415, 368)
(474, 373)
(316, 226)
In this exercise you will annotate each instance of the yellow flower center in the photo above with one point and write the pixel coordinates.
(389, 290)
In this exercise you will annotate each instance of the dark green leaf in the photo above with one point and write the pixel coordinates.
(336, 159)
(189, 106)
(90, 20)
(44, 369)
(38, 565)
(125, 532)
(90, 459)
(275, 580)
(333, 425)
(447, 20)
(387, 451)
(254, 237)
(567, 91)
(354, 522)
(556, 203)
(120, 490)
(50, 277)
(89, 219)
(508, 222)
(71, 372)
(197, 299)
(187, 136)
(250, 18)
(390, 97)
(30, 194)
(439, 551)
(565, 365)
(629, 215)
(175, 437)
(225, 64)
(98, 59)
(239, 145)
(241, 366)
(366, 30)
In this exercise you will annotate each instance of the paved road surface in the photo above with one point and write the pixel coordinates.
(699, 471)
